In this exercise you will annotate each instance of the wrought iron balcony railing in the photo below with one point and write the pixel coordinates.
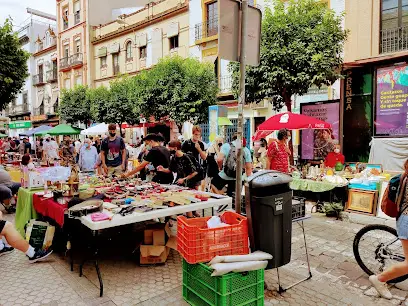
(38, 79)
(206, 29)
(52, 75)
(77, 17)
(225, 85)
(394, 40)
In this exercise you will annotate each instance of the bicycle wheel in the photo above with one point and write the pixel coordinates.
(376, 248)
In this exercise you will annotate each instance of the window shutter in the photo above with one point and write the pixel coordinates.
(173, 29)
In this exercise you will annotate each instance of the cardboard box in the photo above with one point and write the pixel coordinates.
(158, 250)
(159, 238)
(151, 254)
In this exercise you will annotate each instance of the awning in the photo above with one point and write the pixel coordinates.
(224, 121)
(36, 130)
(40, 99)
(377, 59)
(54, 97)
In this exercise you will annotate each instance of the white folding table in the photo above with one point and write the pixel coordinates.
(118, 220)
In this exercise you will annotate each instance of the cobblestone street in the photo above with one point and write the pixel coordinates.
(337, 279)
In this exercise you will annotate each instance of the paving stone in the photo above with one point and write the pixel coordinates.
(371, 292)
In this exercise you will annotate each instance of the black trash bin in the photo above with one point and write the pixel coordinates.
(268, 200)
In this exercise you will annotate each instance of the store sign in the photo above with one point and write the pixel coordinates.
(316, 144)
(20, 125)
(392, 101)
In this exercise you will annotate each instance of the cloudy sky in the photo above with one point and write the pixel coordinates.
(17, 9)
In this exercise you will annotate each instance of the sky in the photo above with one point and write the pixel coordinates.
(17, 9)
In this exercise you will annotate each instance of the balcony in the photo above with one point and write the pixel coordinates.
(116, 70)
(16, 110)
(52, 76)
(70, 62)
(206, 29)
(38, 79)
(65, 25)
(143, 63)
(225, 85)
(39, 111)
(77, 17)
(64, 63)
(394, 40)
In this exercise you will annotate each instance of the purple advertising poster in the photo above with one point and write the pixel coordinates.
(392, 101)
(316, 144)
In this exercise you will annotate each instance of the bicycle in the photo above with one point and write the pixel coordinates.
(377, 247)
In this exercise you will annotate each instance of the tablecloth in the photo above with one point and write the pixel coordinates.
(25, 210)
(50, 208)
(310, 185)
(15, 175)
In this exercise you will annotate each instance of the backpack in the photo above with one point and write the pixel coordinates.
(197, 165)
(393, 195)
(230, 164)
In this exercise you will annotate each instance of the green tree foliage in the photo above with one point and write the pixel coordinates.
(176, 88)
(179, 88)
(75, 105)
(13, 64)
(301, 46)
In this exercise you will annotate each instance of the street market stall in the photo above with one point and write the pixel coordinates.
(99, 129)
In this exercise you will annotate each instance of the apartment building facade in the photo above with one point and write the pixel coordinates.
(137, 41)
(72, 43)
(375, 89)
(20, 110)
(45, 80)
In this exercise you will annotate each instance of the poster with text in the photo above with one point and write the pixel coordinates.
(392, 101)
(316, 144)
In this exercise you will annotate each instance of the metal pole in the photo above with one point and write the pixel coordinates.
(241, 103)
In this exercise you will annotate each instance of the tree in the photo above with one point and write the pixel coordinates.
(179, 88)
(75, 105)
(13, 64)
(301, 46)
(114, 105)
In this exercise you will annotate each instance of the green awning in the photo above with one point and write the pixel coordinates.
(61, 129)
(224, 121)
(3, 135)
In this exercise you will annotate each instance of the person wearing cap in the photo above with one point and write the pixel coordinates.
(158, 157)
(113, 152)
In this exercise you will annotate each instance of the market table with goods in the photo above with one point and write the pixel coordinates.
(218, 268)
(356, 187)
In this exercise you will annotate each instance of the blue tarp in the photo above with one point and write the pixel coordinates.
(37, 130)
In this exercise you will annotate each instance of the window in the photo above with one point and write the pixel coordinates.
(78, 46)
(115, 58)
(78, 80)
(41, 71)
(77, 12)
(129, 51)
(67, 84)
(394, 14)
(103, 62)
(65, 17)
(174, 42)
(66, 51)
(25, 101)
(54, 65)
(212, 19)
(143, 52)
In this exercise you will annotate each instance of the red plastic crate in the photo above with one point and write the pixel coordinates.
(197, 243)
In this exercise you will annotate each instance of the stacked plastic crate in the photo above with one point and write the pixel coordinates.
(199, 244)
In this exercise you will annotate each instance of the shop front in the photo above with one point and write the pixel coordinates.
(374, 127)
(19, 127)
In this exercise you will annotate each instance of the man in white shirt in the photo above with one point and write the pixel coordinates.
(77, 145)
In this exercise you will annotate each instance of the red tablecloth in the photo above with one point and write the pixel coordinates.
(50, 208)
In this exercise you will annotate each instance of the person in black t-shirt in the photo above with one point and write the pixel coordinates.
(157, 156)
(195, 146)
(183, 165)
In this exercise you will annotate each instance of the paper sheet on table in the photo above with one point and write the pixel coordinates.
(224, 268)
(256, 256)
